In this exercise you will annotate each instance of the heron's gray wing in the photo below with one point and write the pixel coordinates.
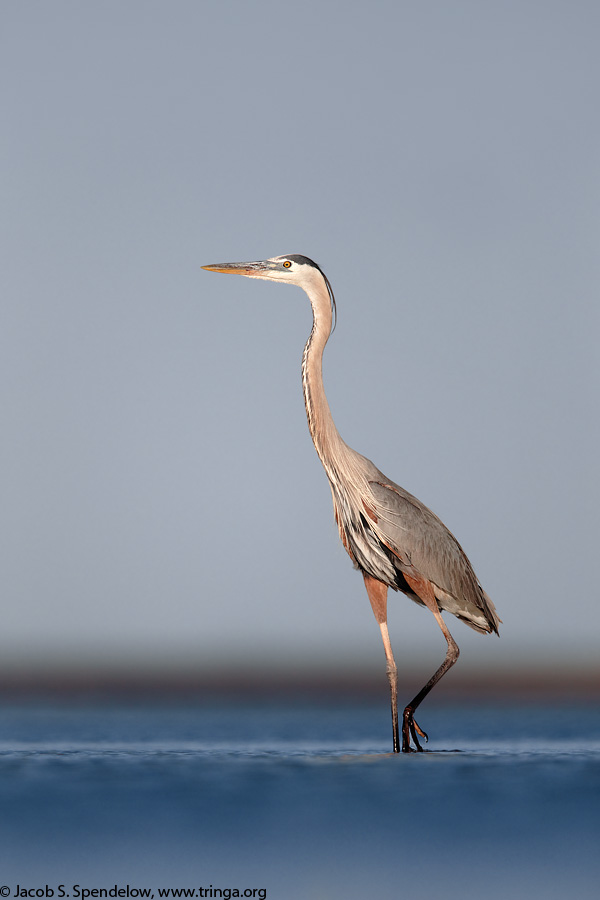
(423, 544)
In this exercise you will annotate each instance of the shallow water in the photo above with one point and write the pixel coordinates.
(303, 801)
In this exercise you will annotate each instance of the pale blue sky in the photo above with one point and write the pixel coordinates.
(161, 496)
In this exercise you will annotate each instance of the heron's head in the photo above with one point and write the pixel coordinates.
(292, 269)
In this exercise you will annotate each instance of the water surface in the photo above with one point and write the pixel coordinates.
(303, 801)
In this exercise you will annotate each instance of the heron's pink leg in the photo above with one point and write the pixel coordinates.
(424, 589)
(377, 592)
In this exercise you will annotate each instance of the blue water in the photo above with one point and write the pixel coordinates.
(303, 801)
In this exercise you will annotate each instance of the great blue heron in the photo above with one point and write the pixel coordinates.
(390, 536)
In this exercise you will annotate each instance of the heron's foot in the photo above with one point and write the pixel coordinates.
(415, 727)
(410, 729)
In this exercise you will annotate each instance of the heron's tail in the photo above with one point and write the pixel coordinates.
(490, 613)
(479, 613)
(487, 619)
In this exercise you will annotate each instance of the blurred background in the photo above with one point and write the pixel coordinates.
(165, 519)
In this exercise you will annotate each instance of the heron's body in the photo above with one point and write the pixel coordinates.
(393, 538)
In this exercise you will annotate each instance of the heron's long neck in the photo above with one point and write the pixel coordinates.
(325, 435)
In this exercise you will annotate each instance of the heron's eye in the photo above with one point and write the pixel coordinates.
(287, 264)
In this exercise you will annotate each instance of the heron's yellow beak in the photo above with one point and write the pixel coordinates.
(256, 269)
(223, 268)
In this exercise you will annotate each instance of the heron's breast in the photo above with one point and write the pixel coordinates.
(360, 540)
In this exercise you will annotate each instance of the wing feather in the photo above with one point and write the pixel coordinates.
(420, 541)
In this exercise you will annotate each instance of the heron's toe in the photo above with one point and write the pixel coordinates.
(410, 729)
(420, 731)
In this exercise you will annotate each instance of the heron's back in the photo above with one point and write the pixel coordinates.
(389, 533)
